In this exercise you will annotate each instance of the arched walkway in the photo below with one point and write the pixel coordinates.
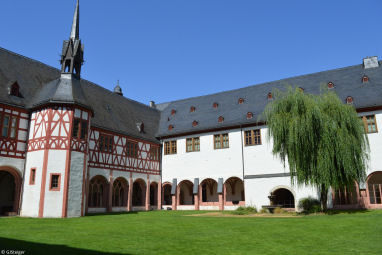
(234, 191)
(167, 198)
(153, 193)
(374, 189)
(139, 192)
(283, 197)
(10, 186)
(346, 196)
(185, 196)
(98, 191)
(208, 193)
(120, 192)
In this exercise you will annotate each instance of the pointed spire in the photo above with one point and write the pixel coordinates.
(75, 34)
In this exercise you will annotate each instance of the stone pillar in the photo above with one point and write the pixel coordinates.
(147, 205)
(221, 202)
(196, 201)
(174, 202)
(159, 199)
(130, 195)
(110, 197)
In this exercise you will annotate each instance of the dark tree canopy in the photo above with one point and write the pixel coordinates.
(321, 138)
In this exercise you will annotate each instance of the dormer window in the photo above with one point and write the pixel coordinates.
(215, 105)
(365, 79)
(330, 85)
(192, 109)
(241, 100)
(170, 127)
(349, 100)
(249, 115)
(173, 111)
(141, 127)
(220, 119)
(270, 96)
(14, 90)
(195, 123)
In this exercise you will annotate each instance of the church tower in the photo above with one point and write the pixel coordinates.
(58, 140)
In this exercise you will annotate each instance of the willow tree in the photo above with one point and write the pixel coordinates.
(321, 139)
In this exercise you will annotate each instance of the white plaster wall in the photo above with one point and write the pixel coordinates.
(31, 193)
(375, 142)
(258, 190)
(207, 163)
(75, 184)
(54, 199)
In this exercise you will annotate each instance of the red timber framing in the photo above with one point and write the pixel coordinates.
(119, 158)
(8, 145)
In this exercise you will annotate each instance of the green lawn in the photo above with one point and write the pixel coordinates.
(170, 232)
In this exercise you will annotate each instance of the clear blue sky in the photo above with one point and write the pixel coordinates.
(165, 50)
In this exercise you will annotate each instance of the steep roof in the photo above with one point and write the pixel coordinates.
(39, 82)
(347, 82)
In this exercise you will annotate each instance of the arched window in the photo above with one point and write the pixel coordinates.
(120, 191)
(97, 192)
(365, 79)
(15, 90)
(249, 115)
(349, 100)
(374, 185)
(330, 85)
(195, 123)
(167, 197)
(192, 109)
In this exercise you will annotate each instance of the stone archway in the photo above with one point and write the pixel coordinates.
(185, 196)
(167, 197)
(10, 187)
(139, 193)
(153, 193)
(283, 197)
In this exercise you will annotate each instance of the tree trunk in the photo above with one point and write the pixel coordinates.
(324, 198)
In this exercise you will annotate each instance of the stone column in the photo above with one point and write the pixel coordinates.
(196, 201)
(110, 197)
(130, 195)
(174, 202)
(159, 199)
(147, 205)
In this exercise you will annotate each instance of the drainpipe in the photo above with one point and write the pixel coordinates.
(242, 150)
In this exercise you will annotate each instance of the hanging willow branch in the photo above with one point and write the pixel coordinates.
(322, 140)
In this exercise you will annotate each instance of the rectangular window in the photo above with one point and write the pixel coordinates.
(80, 129)
(105, 143)
(5, 126)
(170, 147)
(370, 124)
(32, 177)
(55, 182)
(192, 144)
(221, 141)
(253, 137)
(132, 149)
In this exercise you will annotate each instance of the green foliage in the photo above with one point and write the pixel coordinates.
(320, 137)
(242, 210)
(264, 210)
(279, 210)
(309, 205)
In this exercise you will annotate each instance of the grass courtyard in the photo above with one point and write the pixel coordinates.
(173, 232)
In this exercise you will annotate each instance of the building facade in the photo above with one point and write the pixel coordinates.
(69, 147)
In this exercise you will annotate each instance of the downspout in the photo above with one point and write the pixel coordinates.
(242, 151)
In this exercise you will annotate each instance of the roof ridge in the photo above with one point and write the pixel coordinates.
(262, 84)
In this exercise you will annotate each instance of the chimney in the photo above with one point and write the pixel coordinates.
(152, 104)
(370, 62)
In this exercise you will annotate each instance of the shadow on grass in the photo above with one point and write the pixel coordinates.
(12, 246)
(111, 213)
(348, 211)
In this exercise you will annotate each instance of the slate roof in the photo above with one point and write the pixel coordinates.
(40, 83)
(347, 82)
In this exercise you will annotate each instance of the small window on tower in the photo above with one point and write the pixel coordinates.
(32, 177)
(55, 182)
